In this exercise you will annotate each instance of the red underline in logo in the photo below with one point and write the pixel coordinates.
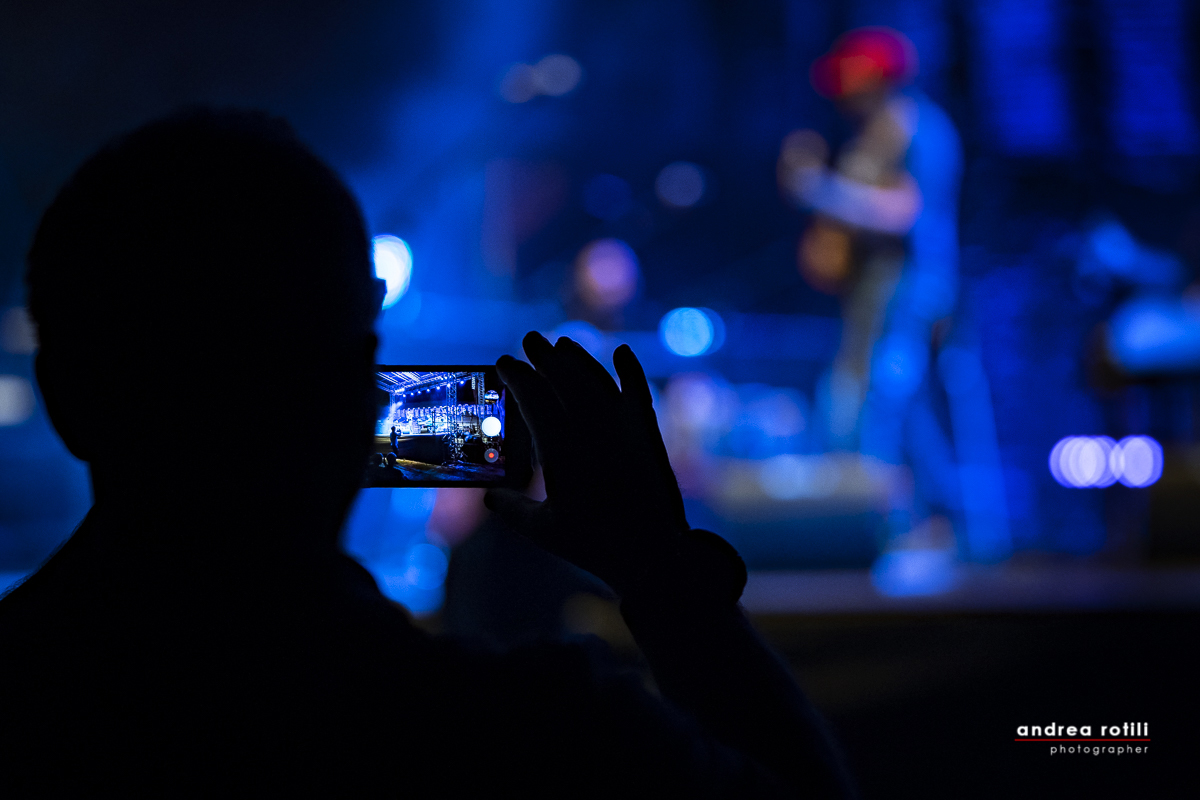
(1081, 740)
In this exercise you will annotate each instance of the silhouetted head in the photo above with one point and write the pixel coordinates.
(863, 67)
(207, 267)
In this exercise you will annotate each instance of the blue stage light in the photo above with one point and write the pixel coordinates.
(417, 581)
(680, 185)
(427, 566)
(393, 265)
(413, 504)
(691, 331)
(914, 573)
(1114, 246)
(794, 477)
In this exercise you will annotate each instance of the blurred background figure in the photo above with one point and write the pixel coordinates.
(884, 237)
(1153, 330)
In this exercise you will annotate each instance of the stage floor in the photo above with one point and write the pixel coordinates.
(407, 472)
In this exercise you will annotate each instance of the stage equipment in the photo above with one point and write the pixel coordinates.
(451, 427)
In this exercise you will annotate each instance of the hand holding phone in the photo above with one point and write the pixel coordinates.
(613, 504)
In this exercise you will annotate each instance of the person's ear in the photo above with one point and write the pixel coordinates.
(57, 385)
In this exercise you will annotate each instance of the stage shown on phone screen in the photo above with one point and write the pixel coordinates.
(438, 427)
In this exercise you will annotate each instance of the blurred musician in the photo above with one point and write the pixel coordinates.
(883, 236)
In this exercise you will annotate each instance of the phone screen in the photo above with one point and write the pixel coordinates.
(446, 426)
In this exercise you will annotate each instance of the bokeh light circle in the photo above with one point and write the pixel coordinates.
(393, 265)
(555, 75)
(1081, 462)
(558, 74)
(1138, 460)
(680, 185)
(689, 331)
(606, 273)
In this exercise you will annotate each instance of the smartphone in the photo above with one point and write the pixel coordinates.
(455, 425)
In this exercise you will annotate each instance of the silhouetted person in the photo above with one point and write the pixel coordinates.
(202, 631)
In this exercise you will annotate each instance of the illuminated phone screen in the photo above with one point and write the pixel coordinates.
(445, 426)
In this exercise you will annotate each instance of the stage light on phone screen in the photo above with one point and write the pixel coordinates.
(393, 265)
(490, 426)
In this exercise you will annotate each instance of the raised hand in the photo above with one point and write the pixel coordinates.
(613, 505)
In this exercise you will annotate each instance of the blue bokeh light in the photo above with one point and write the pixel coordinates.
(691, 331)
(680, 185)
(417, 581)
(914, 573)
(1114, 245)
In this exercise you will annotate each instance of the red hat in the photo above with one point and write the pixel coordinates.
(863, 59)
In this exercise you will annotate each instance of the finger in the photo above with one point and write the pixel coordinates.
(542, 356)
(564, 367)
(593, 384)
(638, 405)
(581, 394)
(635, 389)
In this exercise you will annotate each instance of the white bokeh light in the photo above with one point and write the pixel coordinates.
(16, 400)
(555, 75)
(1081, 462)
(393, 265)
(1138, 461)
(558, 74)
